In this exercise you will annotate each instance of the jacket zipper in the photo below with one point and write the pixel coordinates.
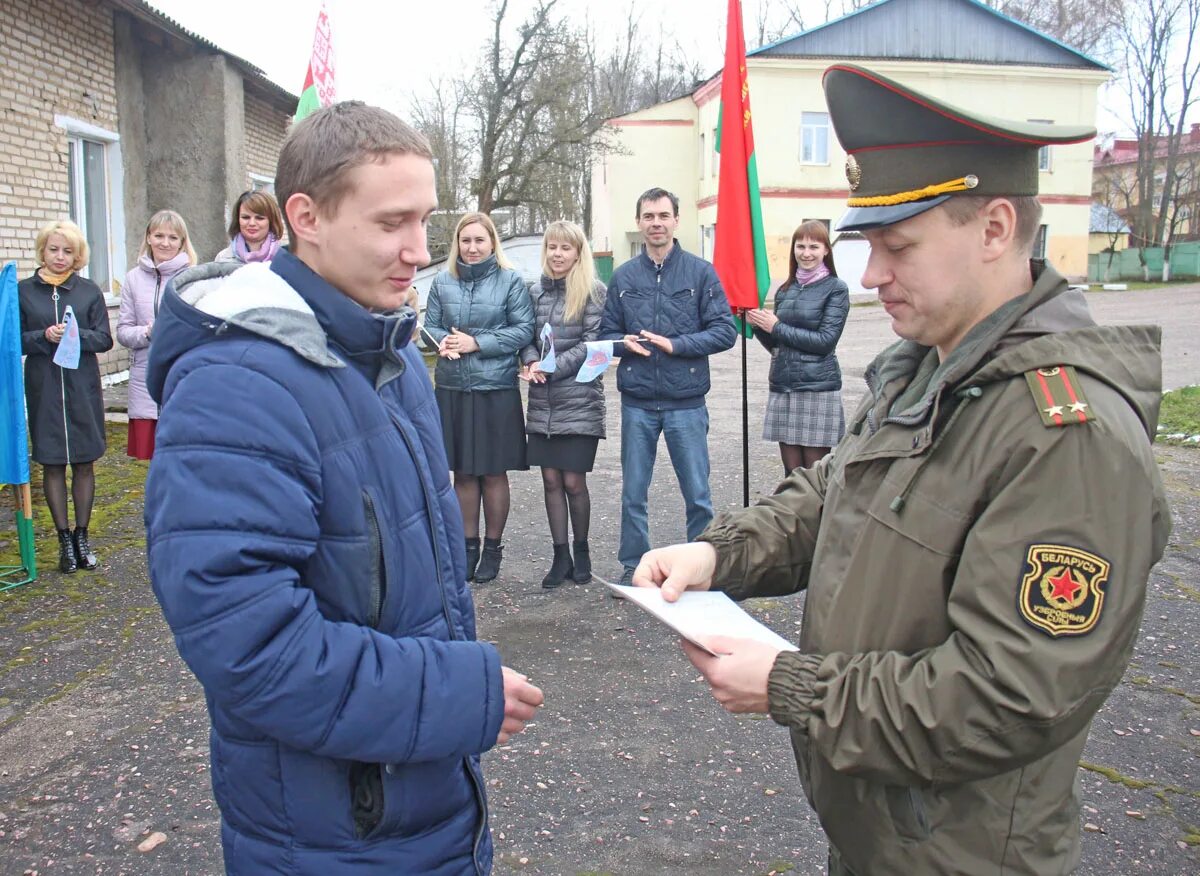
(62, 384)
(375, 538)
(657, 310)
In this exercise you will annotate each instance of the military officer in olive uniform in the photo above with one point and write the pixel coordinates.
(976, 550)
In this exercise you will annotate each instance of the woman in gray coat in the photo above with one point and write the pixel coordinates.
(480, 315)
(565, 420)
(804, 409)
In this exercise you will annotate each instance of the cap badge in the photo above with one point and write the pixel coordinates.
(853, 173)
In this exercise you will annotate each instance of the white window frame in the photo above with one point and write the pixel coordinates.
(1044, 162)
(77, 130)
(716, 156)
(703, 156)
(814, 128)
(260, 181)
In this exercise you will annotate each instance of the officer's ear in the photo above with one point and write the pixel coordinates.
(998, 228)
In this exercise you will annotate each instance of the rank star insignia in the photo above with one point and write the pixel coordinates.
(853, 173)
(1078, 407)
(1062, 590)
(1054, 410)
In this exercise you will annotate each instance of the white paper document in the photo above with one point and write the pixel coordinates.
(699, 614)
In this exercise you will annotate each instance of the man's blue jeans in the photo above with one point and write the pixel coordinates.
(686, 432)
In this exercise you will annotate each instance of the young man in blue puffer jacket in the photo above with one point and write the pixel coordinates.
(304, 539)
(667, 313)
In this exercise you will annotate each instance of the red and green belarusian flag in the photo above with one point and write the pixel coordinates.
(740, 249)
(318, 82)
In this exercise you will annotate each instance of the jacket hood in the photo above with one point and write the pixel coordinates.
(1047, 326)
(208, 300)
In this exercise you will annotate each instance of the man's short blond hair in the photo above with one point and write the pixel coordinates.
(322, 149)
(74, 236)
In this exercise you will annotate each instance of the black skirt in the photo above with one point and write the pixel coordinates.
(575, 453)
(484, 432)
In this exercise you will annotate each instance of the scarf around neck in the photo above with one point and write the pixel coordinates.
(48, 276)
(265, 253)
(804, 278)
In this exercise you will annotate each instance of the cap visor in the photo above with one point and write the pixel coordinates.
(866, 218)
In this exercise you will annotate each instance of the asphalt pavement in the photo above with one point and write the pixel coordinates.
(631, 767)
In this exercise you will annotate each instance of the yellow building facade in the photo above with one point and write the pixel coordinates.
(800, 162)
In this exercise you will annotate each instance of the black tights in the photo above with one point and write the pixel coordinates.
(83, 492)
(493, 489)
(563, 489)
(796, 456)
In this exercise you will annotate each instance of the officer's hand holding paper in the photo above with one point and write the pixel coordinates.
(733, 651)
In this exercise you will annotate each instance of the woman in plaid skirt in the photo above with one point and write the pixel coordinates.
(804, 411)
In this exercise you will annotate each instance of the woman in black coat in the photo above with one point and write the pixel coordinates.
(804, 409)
(66, 405)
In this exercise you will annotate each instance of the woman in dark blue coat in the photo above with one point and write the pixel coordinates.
(804, 410)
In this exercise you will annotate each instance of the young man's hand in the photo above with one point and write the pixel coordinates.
(521, 702)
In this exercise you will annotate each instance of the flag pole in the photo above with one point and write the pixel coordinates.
(745, 422)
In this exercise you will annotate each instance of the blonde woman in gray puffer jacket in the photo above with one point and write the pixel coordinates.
(565, 418)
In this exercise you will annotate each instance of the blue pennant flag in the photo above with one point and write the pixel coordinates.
(549, 363)
(67, 354)
(14, 447)
(599, 357)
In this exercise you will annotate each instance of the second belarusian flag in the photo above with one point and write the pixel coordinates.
(740, 250)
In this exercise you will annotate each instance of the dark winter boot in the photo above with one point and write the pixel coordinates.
(560, 570)
(583, 563)
(84, 557)
(472, 557)
(66, 552)
(489, 562)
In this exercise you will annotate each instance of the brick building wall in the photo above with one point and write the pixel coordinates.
(55, 59)
(265, 129)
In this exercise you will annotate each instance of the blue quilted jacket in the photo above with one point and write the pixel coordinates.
(306, 547)
(681, 299)
(490, 303)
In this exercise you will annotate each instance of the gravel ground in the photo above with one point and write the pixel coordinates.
(631, 767)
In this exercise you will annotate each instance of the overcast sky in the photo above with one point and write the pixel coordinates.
(388, 50)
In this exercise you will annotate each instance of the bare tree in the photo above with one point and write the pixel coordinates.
(1091, 26)
(1162, 62)
(776, 19)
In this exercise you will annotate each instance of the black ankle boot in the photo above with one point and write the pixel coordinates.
(583, 563)
(560, 570)
(84, 557)
(472, 557)
(489, 562)
(66, 552)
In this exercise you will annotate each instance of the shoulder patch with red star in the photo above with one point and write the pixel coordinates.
(1062, 591)
(1058, 396)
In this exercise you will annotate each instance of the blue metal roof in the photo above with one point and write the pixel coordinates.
(965, 31)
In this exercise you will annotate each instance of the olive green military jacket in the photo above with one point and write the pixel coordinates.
(976, 552)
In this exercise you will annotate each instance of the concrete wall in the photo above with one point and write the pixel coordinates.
(781, 89)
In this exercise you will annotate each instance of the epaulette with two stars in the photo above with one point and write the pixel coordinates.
(1058, 396)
